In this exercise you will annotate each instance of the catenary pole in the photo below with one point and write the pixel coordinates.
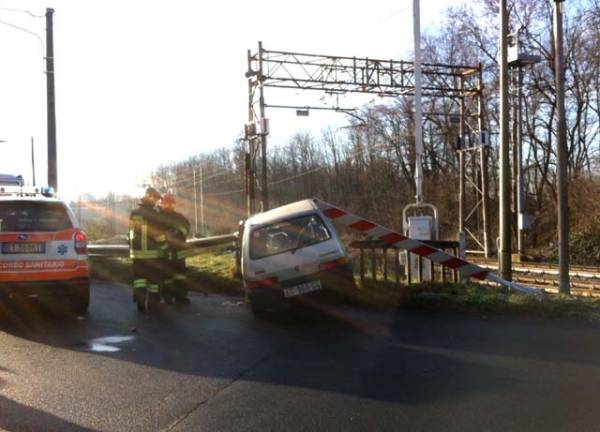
(561, 152)
(418, 106)
(263, 132)
(504, 254)
(250, 156)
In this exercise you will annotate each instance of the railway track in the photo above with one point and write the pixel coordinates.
(585, 280)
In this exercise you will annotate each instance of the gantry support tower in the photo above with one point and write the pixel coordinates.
(294, 71)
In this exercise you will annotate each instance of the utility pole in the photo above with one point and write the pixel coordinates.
(32, 162)
(418, 107)
(50, 99)
(202, 224)
(195, 203)
(504, 254)
(561, 153)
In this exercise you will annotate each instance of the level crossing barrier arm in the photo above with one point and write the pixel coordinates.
(398, 240)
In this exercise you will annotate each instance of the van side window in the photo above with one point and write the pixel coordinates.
(287, 235)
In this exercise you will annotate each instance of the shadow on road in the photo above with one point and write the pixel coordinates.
(401, 359)
(15, 417)
(18, 417)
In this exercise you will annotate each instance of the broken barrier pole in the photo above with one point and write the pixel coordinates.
(398, 240)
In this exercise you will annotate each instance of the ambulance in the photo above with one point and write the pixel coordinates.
(43, 252)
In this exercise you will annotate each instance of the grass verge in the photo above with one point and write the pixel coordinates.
(208, 272)
(214, 272)
(473, 298)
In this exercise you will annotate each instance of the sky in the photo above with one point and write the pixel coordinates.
(145, 83)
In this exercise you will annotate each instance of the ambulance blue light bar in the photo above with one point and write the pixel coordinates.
(47, 191)
(27, 191)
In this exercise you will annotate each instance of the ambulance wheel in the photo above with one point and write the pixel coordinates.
(80, 300)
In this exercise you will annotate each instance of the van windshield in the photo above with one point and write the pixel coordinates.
(287, 235)
(29, 216)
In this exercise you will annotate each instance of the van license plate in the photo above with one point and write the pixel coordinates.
(24, 248)
(303, 288)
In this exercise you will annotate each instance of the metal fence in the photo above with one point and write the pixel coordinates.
(194, 245)
(393, 264)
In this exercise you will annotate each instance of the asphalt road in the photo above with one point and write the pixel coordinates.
(210, 366)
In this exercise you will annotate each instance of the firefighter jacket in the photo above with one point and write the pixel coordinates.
(147, 239)
(176, 227)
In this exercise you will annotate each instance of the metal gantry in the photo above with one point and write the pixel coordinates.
(338, 75)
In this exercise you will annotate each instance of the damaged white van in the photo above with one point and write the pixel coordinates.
(292, 253)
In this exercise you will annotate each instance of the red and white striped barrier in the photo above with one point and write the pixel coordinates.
(398, 240)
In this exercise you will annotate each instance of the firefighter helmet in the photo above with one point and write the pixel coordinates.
(168, 201)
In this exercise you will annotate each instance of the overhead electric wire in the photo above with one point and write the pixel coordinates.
(21, 11)
(190, 177)
(305, 173)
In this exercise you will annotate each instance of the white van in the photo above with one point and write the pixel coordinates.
(290, 253)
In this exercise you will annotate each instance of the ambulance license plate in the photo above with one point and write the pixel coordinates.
(24, 248)
(303, 288)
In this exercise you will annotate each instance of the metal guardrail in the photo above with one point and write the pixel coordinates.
(108, 251)
(122, 251)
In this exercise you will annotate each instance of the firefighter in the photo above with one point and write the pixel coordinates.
(147, 245)
(176, 227)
